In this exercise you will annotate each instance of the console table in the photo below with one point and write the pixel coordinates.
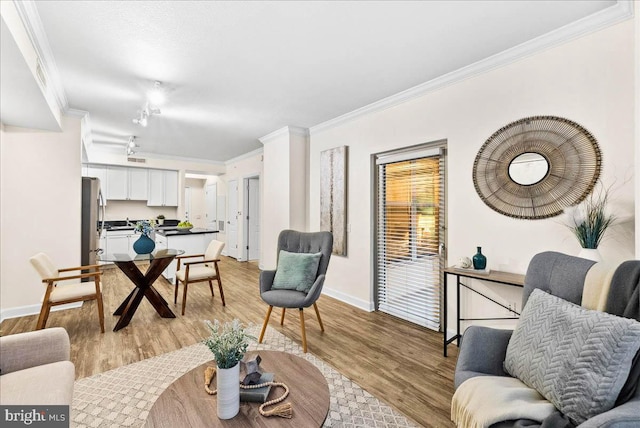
(495, 276)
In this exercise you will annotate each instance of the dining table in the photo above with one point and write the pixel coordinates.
(129, 264)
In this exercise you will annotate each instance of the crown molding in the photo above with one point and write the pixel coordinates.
(74, 112)
(287, 130)
(250, 154)
(621, 11)
(33, 25)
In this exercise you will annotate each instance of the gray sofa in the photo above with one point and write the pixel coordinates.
(483, 349)
(35, 368)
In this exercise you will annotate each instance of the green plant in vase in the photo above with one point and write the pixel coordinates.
(228, 342)
(589, 220)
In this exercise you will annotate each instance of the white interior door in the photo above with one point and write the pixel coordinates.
(254, 219)
(232, 219)
(210, 195)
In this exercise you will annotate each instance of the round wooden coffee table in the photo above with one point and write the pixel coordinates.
(186, 404)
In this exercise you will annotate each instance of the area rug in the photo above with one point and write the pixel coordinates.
(123, 397)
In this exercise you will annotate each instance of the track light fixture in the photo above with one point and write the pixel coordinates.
(155, 97)
(131, 145)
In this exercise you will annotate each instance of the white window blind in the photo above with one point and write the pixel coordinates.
(409, 233)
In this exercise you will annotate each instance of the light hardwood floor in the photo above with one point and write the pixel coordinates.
(397, 361)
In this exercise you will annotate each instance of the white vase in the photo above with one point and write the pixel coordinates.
(590, 254)
(228, 384)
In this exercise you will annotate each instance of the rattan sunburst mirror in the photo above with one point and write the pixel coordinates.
(535, 167)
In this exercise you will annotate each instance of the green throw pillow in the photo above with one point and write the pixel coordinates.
(296, 271)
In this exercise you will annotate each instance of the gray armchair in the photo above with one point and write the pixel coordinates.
(297, 242)
(483, 349)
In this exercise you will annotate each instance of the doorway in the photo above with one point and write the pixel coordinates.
(251, 244)
(232, 219)
(410, 233)
(211, 198)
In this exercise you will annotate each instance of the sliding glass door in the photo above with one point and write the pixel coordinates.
(410, 235)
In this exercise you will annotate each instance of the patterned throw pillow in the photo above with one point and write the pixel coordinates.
(576, 358)
(296, 271)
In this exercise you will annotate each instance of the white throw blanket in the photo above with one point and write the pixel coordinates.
(485, 400)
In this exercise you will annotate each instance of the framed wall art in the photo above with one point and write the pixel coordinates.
(333, 196)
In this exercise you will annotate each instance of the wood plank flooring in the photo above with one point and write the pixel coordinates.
(397, 361)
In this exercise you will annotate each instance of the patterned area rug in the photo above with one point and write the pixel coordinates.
(123, 397)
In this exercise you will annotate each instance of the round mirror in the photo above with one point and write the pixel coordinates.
(528, 168)
(537, 166)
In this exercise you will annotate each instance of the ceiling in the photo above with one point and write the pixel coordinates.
(233, 72)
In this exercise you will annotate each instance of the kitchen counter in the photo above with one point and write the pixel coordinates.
(193, 241)
(174, 231)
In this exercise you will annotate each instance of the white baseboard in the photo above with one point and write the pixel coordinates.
(22, 311)
(346, 298)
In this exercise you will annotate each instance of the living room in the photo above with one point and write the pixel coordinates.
(585, 73)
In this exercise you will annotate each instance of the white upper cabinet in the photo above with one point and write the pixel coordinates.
(127, 184)
(156, 188)
(159, 187)
(163, 188)
(138, 184)
(117, 183)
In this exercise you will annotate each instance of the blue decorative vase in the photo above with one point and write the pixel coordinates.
(145, 245)
(479, 260)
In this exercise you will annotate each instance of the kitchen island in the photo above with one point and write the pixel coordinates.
(193, 241)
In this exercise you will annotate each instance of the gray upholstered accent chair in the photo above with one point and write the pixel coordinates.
(36, 369)
(483, 349)
(297, 242)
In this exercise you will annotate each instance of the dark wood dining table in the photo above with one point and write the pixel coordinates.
(128, 264)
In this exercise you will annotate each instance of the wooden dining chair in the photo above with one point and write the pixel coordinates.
(199, 271)
(56, 294)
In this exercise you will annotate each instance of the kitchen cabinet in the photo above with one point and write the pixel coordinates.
(120, 242)
(138, 184)
(163, 188)
(127, 184)
(117, 183)
(191, 243)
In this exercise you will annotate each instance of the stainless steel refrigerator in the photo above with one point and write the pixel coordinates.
(92, 219)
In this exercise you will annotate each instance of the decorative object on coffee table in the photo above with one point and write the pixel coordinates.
(479, 260)
(228, 342)
(535, 167)
(284, 410)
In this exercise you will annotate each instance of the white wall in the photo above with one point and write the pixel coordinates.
(275, 197)
(637, 121)
(286, 183)
(40, 208)
(588, 80)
